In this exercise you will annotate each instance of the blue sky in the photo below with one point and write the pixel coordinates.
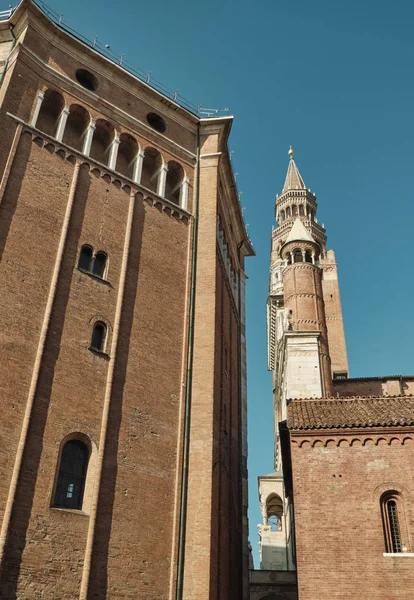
(335, 80)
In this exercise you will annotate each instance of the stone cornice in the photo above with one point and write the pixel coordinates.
(91, 99)
(72, 155)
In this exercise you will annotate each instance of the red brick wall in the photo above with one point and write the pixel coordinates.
(338, 479)
(303, 295)
(135, 544)
(137, 490)
(333, 312)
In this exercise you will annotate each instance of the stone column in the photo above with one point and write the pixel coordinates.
(88, 138)
(62, 124)
(162, 178)
(139, 160)
(184, 193)
(113, 153)
(40, 97)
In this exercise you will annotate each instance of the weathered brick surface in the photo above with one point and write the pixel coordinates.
(304, 297)
(338, 479)
(134, 553)
(333, 312)
(374, 386)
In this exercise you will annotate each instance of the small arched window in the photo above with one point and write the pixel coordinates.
(99, 264)
(282, 216)
(151, 168)
(297, 255)
(50, 111)
(76, 126)
(288, 212)
(308, 256)
(102, 140)
(85, 258)
(174, 181)
(72, 475)
(274, 511)
(98, 336)
(394, 524)
(301, 210)
(127, 155)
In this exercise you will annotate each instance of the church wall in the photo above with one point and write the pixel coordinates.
(338, 479)
(374, 386)
(134, 536)
(140, 458)
(132, 548)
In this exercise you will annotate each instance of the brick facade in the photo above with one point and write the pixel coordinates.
(339, 477)
(129, 403)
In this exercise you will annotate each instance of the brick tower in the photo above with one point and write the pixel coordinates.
(123, 404)
(306, 343)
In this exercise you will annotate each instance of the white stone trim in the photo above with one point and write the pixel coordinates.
(62, 124)
(88, 138)
(138, 166)
(184, 193)
(399, 554)
(40, 97)
(162, 179)
(113, 153)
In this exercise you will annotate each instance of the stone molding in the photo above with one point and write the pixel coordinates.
(99, 170)
(354, 441)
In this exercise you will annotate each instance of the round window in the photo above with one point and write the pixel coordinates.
(87, 80)
(156, 122)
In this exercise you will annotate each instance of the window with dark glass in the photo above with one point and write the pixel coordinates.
(297, 256)
(99, 263)
(394, 526)
(72, 475)
(85, 258)
(98, 336)
(395, 532)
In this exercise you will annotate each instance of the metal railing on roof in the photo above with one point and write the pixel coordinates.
(121, 62)
(6, 14)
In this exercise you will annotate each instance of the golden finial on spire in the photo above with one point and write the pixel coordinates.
(291, 152)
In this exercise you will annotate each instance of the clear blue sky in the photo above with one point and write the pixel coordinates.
(335, 80)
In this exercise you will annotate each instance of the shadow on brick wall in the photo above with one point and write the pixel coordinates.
(22, 512)
(98, 587)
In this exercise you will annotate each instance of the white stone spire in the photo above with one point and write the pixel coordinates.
(293, 179)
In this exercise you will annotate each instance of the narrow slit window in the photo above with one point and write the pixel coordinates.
(72, 475)
(394, 525)
(395, 529)
(99, 265)
(98, 337)
(85, 258)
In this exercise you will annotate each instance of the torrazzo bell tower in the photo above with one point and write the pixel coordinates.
(306, 342)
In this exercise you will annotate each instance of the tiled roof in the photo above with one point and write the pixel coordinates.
(338, 413)
(299, 232)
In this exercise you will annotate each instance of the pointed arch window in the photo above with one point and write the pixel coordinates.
(99, 336)
(70, 484)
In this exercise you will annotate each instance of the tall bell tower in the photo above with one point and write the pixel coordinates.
(306, 342)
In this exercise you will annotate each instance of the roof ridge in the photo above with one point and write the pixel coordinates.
(340, 398)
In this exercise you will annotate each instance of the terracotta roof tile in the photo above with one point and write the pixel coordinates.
(338, 413)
